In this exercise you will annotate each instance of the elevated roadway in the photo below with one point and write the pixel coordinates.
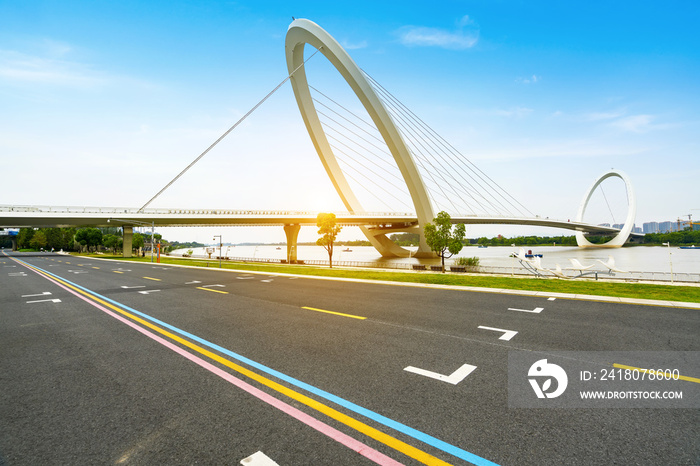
(61, 216)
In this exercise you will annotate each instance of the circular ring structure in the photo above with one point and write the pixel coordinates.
(302, 32)
(624, 234)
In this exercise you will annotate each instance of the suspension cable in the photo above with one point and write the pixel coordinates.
(227, 132)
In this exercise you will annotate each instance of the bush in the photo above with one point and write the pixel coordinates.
(467, 261)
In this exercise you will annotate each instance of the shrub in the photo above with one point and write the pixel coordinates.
(467, 261)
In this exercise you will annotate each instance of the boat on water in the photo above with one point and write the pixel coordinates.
(692, 246)
(530, 255)
(347, 250)
(483, 246)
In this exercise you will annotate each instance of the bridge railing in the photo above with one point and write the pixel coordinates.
(172, 211)
(492, 270)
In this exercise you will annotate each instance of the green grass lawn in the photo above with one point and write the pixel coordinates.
(588, 287)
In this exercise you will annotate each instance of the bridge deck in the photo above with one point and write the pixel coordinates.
(52, 216)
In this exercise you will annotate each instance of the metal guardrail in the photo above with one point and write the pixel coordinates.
(490, 270)
(161, 211)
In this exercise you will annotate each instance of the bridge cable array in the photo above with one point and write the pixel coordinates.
(444, 162)
(454, 183)
(227, 132)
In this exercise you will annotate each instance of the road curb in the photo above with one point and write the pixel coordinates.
(578, 297)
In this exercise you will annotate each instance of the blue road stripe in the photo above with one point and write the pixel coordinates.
(410, 431)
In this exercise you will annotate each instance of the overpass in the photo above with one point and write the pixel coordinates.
(375, 222)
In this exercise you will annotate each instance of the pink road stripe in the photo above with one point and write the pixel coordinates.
(325, 429)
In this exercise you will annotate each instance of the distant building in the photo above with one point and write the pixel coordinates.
(667, 227)
(618, 225)
(636, 229)
(650, 227)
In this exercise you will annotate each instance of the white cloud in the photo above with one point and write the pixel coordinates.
(459, 39)
(529, 80)
(355, 45)
(23, 68)
(584, 148)
(634, 123)
(602, 116)
(515, 112)
(465, 21)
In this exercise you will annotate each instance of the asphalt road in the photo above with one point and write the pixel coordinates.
(106, 362)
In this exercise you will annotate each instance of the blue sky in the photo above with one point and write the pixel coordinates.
(104, 102)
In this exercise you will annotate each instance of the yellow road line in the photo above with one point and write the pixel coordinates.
(117, 271)
(213, 291)
(96, 268)
(332, 312)
(376, 434)
(655, 372)
(154, 279)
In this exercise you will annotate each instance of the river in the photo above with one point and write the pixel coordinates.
(638, 258)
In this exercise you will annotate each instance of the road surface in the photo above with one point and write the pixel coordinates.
(131, 363)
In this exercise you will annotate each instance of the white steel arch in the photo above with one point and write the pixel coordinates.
(624, 234)
(302, 32)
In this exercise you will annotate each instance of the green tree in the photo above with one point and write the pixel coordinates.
(442, 239)
(327, 227)
(112, 242)
(38, 241)
(24, 237)
(89, 237)
(137, 242)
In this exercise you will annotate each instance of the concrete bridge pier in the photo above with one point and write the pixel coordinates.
(292, 233)
(128, 234)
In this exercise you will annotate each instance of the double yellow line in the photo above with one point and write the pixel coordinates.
(349, 421)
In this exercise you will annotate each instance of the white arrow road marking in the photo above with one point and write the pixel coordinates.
(537, 310)
(507, 334)
(44, 301)
(45, 293)
(193, 282)
(245, 278)
(551, 299)
(18, 274)
(135, 286)
(454, 378)
(258, 459)
(208, 286)
(148, 291)
(77, 271)
(266, 281)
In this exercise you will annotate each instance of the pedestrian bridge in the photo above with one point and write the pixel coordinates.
(392, 154)
(379, 223)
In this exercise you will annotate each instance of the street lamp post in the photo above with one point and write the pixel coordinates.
(131, 222)
(669, 258)
(220, 244)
